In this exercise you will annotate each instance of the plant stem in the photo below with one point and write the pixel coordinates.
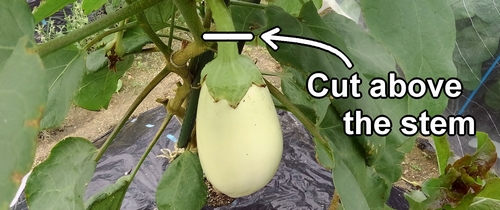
(173, 37)
(94, 27)
(247, 4)
(296, 112)
(224, 23)
(172, 25)
(108, 32)
(156, 80)
(152, 143)
(143, 22)
(188, 10)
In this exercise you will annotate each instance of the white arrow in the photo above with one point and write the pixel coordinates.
(227, 36)
(272, 35)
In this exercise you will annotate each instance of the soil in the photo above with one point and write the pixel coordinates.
(417, 167)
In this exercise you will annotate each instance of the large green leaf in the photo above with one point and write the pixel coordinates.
(23, 92)
(359, 186)
(111, 197)
(159, 15)
(60, 181)
(181, 182)
(471, 50)
(421, 36)
(65, 69)
(443, 152)
(97, 88)
(463, 8)
(293, 6)
(49, 7)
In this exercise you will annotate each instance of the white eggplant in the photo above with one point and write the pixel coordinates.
(239, 148)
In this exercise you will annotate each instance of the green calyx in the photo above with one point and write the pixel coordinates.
(231, 79)
(229, 75)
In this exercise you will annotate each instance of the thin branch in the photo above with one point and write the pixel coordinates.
(94, 27)
(152, 143)
(156, 80)
(109, 32)
(188, 10)
(143, 22)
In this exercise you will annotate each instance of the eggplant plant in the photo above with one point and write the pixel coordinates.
(230, 130)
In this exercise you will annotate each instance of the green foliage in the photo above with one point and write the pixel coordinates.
(23, 92)
(443, 152)
(111, 197)
(98, 87)
(49, 7)
(293, 7)
(65, 69)
(89, 6)
(61, 180)
(464, 183)
(182, 182)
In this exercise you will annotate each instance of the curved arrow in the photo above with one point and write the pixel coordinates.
(271, 35)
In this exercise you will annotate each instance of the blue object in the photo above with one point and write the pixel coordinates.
(171, 137)
(485, 76)
(44, 22)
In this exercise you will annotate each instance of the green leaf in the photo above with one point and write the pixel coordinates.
(442, 152)
(133, 40)
(159, 15)
(60, 181)
(293, 6)
(415, 198)
(24, 92)
(469, 75)
(421, 36)
(487, 10)
(358, 185)
(111, 197)
(65, 69)
(96, 60)
(490, 29)
(463, 8)
(461, 184)
(49, 7)
(473, 48)
(89, 6)
(293, 89)
(181, 182)
(324, 155)
(97, 88)
(17, 22)
(248, 19)
(484, 204)
(348, 8)
(490, 189)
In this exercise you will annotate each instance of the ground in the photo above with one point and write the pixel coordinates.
(417, 167)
